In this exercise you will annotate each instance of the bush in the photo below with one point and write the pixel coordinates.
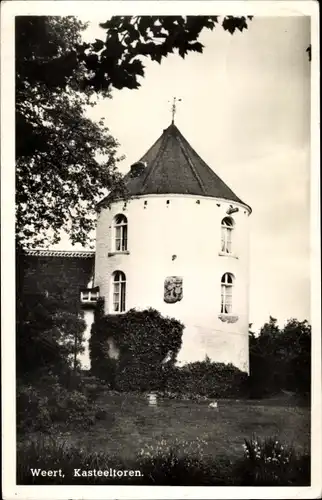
(45, 334)
(32, 410)
(144, 340)
(42, 407)
(268, 462)
(208, 379)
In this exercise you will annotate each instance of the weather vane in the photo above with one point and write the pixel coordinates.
(174, 107)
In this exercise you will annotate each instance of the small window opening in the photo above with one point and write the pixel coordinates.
(227, 282)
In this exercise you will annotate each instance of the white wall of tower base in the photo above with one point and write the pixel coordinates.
(180, 235)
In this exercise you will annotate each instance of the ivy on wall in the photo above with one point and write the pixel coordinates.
(147, 344)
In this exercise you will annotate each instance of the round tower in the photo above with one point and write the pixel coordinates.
(179, 243)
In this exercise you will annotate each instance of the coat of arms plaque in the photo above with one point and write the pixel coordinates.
(173, 289)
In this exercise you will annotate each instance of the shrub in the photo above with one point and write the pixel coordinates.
(45, 334)
(268, 462)
(41, 408)
(32, 410)
(144, 341)
(208, 379)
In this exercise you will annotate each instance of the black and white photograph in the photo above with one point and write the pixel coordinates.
(160, 200)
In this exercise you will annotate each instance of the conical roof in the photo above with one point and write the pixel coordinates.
(174, 167)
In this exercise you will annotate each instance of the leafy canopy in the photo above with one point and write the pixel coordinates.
(284, 355)
(58, 176)
(117, 62)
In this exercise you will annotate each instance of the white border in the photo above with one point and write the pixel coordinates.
(257, 8)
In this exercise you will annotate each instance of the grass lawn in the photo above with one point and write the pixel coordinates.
(130, 424)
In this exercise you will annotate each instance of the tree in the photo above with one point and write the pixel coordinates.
(117, 62)
(46, 336)
(262, 359)
(58, 176)
(294, 351)
(281, 358)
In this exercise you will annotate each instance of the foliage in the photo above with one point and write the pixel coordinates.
(42, 407)
(207, 378)
(31, 410)
(177, 448)
(181, 396)
(117, 62)
(267, 462)
(284, 355)
(147, 345)
(49, 327)
(45, 335)
(92, 388)
(53, 452)
(267, 450)
(181, 463)
(157, 465)
(58, 176)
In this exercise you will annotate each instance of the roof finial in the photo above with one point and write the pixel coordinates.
(174, 107)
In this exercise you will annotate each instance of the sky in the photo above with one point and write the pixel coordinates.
(246, 110)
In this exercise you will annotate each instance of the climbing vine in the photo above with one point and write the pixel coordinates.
(145, 345)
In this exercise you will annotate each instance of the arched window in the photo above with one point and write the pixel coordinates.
(120, 233)
(227, 282)
(227, 226)
(119, 291)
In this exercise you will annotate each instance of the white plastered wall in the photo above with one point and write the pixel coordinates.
(180, 235)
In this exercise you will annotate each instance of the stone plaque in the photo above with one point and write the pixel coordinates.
(173, 289)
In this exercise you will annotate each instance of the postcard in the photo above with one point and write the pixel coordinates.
(160, 250)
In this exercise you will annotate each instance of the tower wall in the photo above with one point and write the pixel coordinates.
(180, 235)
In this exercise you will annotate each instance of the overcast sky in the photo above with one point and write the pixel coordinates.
(246, 110)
